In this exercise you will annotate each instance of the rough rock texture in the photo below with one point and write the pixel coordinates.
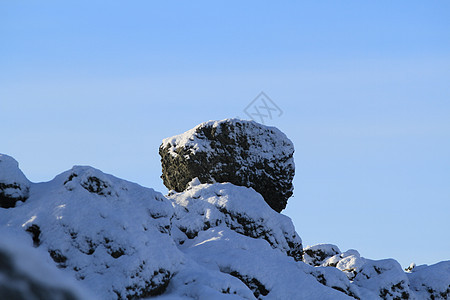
(14, 186)
(244, 153)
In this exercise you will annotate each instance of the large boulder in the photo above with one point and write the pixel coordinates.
(14, 186)
(243, 153)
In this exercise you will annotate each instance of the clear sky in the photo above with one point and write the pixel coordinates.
(364, 88)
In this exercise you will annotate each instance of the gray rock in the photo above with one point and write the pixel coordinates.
(243, 153)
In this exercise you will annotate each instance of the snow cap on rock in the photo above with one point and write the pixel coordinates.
(241, 152)
(14, 186)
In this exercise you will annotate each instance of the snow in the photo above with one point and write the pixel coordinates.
(221, 250)
(31, 266)
(194, 140)
(431, 280)
(317, 254)
(242, 209)
(110, 234)
(15, 183)
(212, 241)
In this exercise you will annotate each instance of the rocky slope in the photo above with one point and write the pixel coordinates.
(90, 235)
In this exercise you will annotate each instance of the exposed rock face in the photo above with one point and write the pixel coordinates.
(243, 153)
(14, 186)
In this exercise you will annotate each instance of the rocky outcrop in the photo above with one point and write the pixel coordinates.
(372, 279)
(14, 186)
(316, 255)
(205, 206)
(243, 153)
(112, 235)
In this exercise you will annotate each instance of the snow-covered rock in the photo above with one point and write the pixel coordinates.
(14, 186)
(317, 254)
(431, 282)
(268, 273)
(244, 153)
(241, 209)
(370, 279)
(118, 240)
(112, 235)
(382, 279)
(28, 274)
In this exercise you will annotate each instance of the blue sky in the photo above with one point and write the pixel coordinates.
(364, 88)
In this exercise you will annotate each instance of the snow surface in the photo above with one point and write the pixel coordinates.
(196, 142)
(16, 184)
(110, 234)
(242, 209)
(212, 241)
(31, 268)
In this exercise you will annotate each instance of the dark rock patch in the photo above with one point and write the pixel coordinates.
(258, 289)
(35, 232)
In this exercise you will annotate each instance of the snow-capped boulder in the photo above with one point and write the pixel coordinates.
(317, 254)
(382, 279)
(431, 282)
(241, 209)
(112, 235)
(335, 279)
(370, 279)
(244, 153)
(26, 273)
(14, 186)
